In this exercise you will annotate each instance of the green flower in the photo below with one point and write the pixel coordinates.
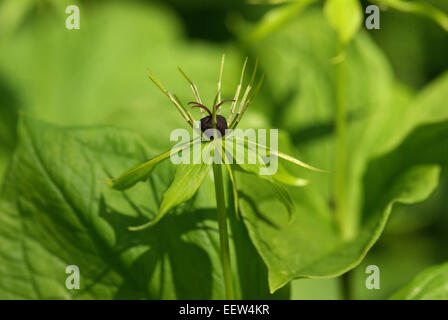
(189, 176)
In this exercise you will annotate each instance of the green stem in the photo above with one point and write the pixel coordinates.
(342, 218)
(346, 286)
(223, 231)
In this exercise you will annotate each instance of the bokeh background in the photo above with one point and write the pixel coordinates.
(96, 76)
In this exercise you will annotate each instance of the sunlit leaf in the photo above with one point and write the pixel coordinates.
(142, 171)
(249, 153)
(254, 145)
(187, 180)
(284, 176)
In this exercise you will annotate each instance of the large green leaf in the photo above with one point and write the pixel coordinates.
(431, 284)
(142, 171)
(311, 246)
(391, 154)
(245, 154)
(56, 209)
(187, 180)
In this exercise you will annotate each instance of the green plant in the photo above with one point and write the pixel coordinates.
(56, 210)
(189, 176)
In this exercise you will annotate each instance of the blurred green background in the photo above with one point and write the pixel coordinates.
(96, 76)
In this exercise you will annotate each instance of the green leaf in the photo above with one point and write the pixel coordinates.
(345, 16)
(284, 176)
(285, 198)
(187, 180)
(141, 171)
(136, 174)
(55, 211)
(310, 246)
(431, 284)
(254, 146)
(395, 144)
(247, 151)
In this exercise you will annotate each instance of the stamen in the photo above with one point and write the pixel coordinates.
(238, 89)
(192, 85)
(216, 107)
(239, 115)
(184, 112)
(249, 87)
(199, 105)
(218, 94)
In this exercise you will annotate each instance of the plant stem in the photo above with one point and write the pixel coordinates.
(346, 286)
(223, 231)
(344, 218)
(341, 214)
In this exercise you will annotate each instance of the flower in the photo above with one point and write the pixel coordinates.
(215, 138)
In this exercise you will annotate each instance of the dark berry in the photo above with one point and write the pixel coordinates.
(207, 123)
